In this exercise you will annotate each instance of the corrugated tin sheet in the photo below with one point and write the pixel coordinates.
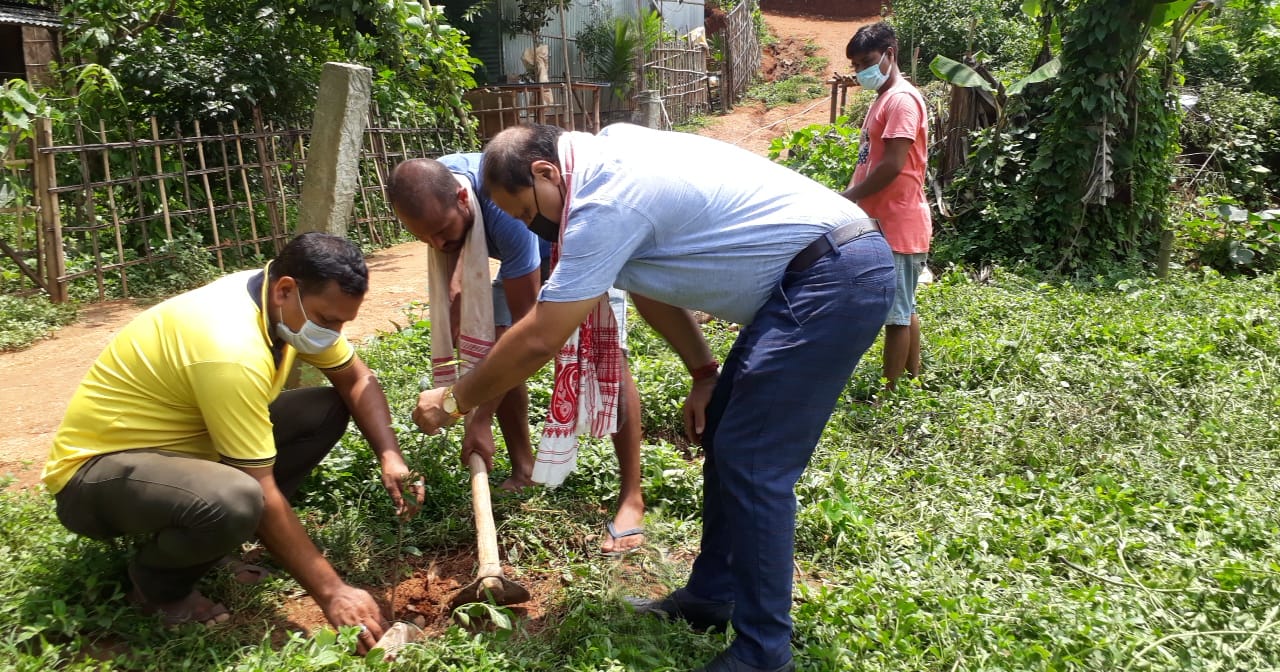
(26, 15)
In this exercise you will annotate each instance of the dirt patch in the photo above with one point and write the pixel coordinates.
(830, 9)
(785, 58)
(750, 125)
(423, 598)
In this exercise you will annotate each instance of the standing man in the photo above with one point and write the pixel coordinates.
(429, 198)
(180, 433)
(682, 223)
(888, 183)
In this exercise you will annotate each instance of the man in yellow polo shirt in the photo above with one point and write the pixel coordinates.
(180, 432)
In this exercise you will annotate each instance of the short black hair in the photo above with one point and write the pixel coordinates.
(509, 154)
(315, 258)
(875, 37)
(418, 182)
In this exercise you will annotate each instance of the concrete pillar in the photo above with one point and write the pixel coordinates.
(650, 102)
(333, 158)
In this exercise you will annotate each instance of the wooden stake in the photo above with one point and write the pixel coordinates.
(111, 203)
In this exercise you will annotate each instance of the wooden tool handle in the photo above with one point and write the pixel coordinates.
(486, 534)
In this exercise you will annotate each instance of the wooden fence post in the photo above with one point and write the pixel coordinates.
(46, 177)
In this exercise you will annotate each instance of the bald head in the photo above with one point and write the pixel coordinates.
(420, 187)
(509, 155)
(429, 201)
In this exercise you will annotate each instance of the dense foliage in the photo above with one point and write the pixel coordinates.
(954, 28)
(1085, 481)
(213, 58)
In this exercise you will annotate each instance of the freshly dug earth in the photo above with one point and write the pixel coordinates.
(423, 597)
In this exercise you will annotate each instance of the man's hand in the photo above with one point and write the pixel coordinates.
(351, 606)
(479, 440)
(429, 415)
(407, 490)
(695, 408)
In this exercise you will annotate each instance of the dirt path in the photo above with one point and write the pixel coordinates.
(37, 383)
(751, 126)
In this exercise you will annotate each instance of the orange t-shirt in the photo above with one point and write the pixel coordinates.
(901, 207)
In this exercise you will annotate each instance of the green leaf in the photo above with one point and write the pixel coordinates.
(958, 74)
(1164, 13)
(1032, 8)
(1047, 71)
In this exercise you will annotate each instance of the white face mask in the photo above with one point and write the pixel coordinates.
(311, 339)
(871, 78)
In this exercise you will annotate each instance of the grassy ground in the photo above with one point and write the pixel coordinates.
(1085, 481)
(26, 320)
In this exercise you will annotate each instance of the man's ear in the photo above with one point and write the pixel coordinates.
(281, 290)
(547, 170)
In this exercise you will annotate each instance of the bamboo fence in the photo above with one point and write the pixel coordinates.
(108, 207)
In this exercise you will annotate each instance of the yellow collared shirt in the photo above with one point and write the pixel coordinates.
(194, 374)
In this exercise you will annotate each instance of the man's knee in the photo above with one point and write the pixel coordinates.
(240, 502)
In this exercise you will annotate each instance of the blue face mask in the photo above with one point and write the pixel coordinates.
(311, 339)
(871, 78)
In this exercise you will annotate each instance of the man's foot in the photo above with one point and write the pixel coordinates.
(700, 614)
(621, 543)
(516, 483)
(726, 662)
(194, 608)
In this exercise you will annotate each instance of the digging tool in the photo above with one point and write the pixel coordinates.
(490, 584)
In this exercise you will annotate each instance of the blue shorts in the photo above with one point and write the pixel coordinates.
(617, 301)
(907, 269)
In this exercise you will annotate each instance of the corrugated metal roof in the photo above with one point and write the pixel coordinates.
(26, 15)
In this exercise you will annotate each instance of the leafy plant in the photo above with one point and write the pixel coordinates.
(1220, 235)
(25, 320)
(824, 152)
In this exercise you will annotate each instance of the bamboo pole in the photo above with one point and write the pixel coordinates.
(111, 204)
(186, 176)
(89, 213)
(248, 195)
(275, 162)
(208, 197)
(226, 181)
(164, 195)
(51, 219)
(278, 234)
(137, 190)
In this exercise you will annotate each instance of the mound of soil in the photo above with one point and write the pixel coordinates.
(830, 9)
(785, 58)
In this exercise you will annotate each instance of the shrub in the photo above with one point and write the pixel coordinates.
(954, 28)
(1231, 137)
(825, 153)
(23, 321)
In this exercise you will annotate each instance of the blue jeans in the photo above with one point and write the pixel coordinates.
(775, 395)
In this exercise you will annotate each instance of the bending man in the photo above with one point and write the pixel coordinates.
(431, 199)
(684, 223)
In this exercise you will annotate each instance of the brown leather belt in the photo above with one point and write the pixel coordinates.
(830, 241)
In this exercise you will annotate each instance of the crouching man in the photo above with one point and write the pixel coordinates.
(179, 434)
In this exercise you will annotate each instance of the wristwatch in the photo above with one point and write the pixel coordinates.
(450, 404)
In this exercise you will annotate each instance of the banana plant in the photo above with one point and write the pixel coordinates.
(995, 92)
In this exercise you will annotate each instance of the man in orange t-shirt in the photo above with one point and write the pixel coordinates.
(888, 183)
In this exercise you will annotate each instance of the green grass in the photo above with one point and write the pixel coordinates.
(1084, 480)
(24, 321)
(786, 91)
